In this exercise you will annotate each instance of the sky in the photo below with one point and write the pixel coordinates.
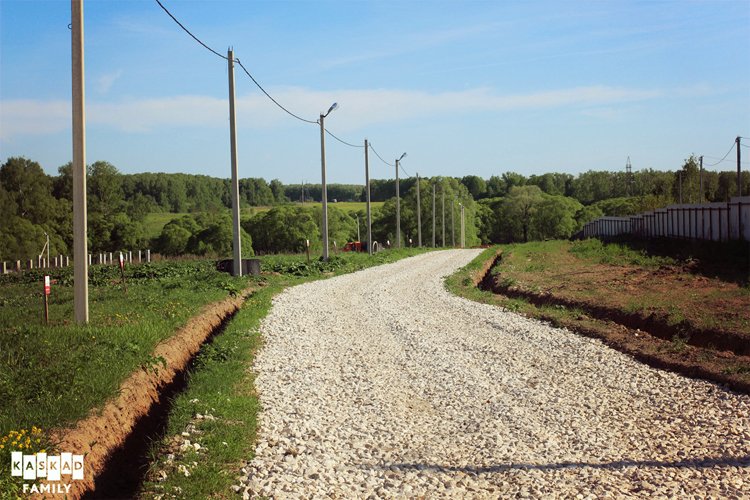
(468, 87)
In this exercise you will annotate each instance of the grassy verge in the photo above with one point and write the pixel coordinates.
(53, 375)
(669, 311)
(219, 407)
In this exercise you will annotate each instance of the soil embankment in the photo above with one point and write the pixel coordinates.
(106, 430)
(715, 354)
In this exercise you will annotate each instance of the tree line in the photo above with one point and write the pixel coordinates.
(507, 207)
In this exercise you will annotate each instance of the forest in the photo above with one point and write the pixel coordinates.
(504, 208)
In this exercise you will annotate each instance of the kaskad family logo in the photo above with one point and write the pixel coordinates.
(47, 471)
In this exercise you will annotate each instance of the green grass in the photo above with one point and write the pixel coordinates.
(51, 376)
(221, 384)
(348, 206)
(155, 222)
(616, 253)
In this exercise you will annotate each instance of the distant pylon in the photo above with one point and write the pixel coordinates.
(629, 177)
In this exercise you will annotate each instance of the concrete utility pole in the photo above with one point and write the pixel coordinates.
(680, 190)
(442, 198)
(700, 200)
(324, 224)
(80, 245)
(433, 215)
(398, 211)
(453, 225)
(739, 169)
(463, 227)
(236, 240)
(367, 188)
(419, 215)
(398, 206)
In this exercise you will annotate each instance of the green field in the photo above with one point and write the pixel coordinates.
(155, 221)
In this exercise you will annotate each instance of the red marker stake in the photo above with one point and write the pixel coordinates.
(46, 300)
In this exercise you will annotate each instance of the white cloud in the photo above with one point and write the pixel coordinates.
(105, 82)
(29, 117)
(358, 108)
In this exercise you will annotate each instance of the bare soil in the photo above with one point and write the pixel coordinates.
(106, 429)
(671, 317)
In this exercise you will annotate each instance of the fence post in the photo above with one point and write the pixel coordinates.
(5, 268)
(139, 256)
(18, 266)
(148, 255)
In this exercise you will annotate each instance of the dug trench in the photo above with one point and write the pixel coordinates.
(115, 439)
(709, 354)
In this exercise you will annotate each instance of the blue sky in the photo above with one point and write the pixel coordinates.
(465, 87)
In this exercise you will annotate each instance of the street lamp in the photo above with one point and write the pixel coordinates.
(398, 206)
(323, 178)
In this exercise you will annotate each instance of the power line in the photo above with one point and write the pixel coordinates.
(237, 60)
(343, 141)
(189, 33)
(403, 169)
(269, 95)
(730, 150)
(380, 157)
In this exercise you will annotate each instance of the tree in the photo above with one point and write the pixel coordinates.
(104, 189)
(29, 188)
(554, 217)
(283, 229)
(476, 185)
(277, 188)
(522, 204)
(687, 181)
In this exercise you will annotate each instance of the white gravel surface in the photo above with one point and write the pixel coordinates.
(381, 384)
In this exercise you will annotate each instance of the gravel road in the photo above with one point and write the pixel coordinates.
(382, 384)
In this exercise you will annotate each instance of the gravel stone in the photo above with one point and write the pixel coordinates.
(389, 386)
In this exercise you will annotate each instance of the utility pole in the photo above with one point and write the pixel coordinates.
(358, 237)
(419, 215)
(324, 196)
(303, 191)
(237, 242)
(739, 170)
(442, 198)
(680, 187)
(398, 211)
(398, 206)
(463, 227)
(433, 215)
(628, 177)
(80, 244)
(367, 188)
(453, 225)
(701, 177)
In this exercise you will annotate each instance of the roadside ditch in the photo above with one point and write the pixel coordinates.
(709, 354)
(115, 439)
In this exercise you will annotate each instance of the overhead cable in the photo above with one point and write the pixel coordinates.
(730, 150)
(189, 33)
(343, 141)
(235, 60)
(269, 95)
(380, 157)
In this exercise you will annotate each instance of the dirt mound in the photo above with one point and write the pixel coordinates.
(106, 429)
